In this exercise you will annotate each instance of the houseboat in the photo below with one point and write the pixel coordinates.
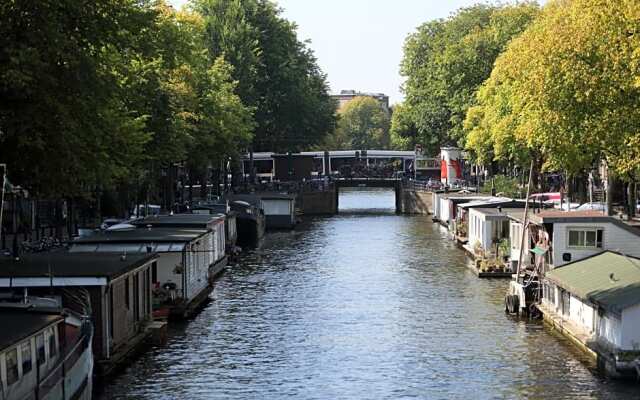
(213, 223)
(596, 303)
(461, 223)
(42, 342)
(551, 238)
(181, 276)
(250, 218)
(115, 288)
(446, 210)
(279, 210)
(488, 242)
(230, 221)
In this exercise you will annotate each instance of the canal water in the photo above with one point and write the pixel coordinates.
(363, 305)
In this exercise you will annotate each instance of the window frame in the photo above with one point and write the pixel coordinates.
(27, 364)
(44, 349)
(15, 368)
(582, 237)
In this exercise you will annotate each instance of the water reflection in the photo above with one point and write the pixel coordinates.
(360, 306)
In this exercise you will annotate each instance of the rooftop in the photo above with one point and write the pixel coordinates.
(609, 279)
(23, 324)
(493, 201)
(65, 264)
(180, 220)
(156, 234)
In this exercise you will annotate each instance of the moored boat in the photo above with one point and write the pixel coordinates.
(47, 352)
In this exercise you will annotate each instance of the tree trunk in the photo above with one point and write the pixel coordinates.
(631, 199)
(609, 193)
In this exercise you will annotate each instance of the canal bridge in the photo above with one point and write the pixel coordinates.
(394, 183)
(271, 166)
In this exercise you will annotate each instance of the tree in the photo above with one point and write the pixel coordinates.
(403, 132)
(279, 76)
(64, 127)
(566, 89)
(366, 123)
(573, 98)
(446, 61)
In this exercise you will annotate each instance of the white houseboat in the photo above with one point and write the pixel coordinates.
(279, 210)
(45, 352)
(596, 303)
(213, 223)
(181, 276)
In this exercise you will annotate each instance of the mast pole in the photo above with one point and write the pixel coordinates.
(4, 183)
(524, 222)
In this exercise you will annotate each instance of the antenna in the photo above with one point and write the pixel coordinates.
(4, 183)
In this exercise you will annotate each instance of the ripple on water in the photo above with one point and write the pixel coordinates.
(360, 306)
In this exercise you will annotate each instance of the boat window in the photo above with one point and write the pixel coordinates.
(163, 247)
(126, 292)
(154, 272)
(53, 346)
(12, 366)
(25, 349)
(40, 349)
(586, 238)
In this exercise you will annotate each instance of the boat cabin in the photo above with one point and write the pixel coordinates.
(115, 287)
(279, 210)
(213, 223)
(182, 275)
(230, 221)
(555, 237)
(596, 301)
(462, 222)
(33, 342)
(250, 219)
(446, 209)
(488, 231)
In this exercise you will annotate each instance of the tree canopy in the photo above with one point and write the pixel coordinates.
(114, 93)
(446, 60)
(567, 90)
(365, 124)
(403, 133)
(279, 76)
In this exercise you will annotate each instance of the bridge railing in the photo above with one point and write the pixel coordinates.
(421, 185)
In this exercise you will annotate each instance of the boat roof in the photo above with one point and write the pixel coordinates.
(609, 279)
(180, 220)
(66, 264)
(277, 196)
(491, 213)
(144, 235)
(552, 216)
(251, 199)
(23, 323)
(466, 196)
(491, 201)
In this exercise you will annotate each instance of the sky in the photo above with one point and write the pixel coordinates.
(358, 43)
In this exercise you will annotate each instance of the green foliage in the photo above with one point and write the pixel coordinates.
(509, 187)
(64, 124)
(403, 130)
(366, 123)
(111, 94)
(278, 75)
(566, 89)
(445, 61)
